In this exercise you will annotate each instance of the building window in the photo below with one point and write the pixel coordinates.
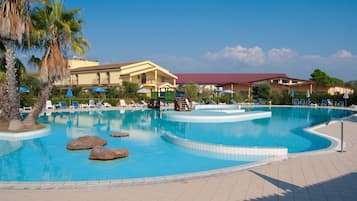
(275, 81)
(143, 78)
(76, 79)
(285, 81)
(294, 81)
(108, 77)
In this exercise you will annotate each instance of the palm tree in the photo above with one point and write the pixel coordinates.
(58, 31)
(15, 23)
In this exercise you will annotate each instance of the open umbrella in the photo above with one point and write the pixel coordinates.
(23, 90)
(308, 94)
(346, 96)
(143, 91)
(227, 91)
(69, 94)
(99, 90)
(218, 91)
(292, 93)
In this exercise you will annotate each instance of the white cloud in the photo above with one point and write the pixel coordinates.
(251, 56)
(311, 57)
(280, 55)
(342, 54)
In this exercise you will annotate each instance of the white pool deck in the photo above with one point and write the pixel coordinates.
(326, 175)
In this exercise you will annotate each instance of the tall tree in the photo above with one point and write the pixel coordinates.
(322, 79)
(58, 31)
(15, 23)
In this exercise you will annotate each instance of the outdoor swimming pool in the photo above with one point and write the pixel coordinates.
(46, 158)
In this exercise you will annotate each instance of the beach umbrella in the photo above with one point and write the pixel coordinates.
(69, 93)
(345, 95)
(143, 91)
(99, 90)
(292, 93)
(308, 94)
(227, 91)
(23, 90)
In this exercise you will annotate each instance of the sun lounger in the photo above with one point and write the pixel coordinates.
(91, 104)
(324, 102)
(308, 102)
(133, 103)
(27, 108)
(329, 102)
(49, 105)
(75, 104)
(99, 104)
(341, 103)
(63, 105)
(143, 103)
(211, 102)
(234, 102)
(296, 101)
(122, 103)
(107, 105)
(302, 101)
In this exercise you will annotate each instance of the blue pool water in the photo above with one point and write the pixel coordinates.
(46, 158)
(284, 129)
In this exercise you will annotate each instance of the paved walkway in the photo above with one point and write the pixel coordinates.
(330, 176)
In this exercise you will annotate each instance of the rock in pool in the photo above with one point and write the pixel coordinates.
(86, 142)
(120, 134)
(103, 153)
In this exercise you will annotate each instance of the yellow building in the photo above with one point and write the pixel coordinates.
(89, 74)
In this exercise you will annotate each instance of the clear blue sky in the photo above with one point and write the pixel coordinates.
(282, 36)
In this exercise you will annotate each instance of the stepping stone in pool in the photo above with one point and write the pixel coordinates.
(85, 142)
(120, 134)
(103, 153)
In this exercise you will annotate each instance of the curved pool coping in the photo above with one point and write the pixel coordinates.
(207, 116)
(14, 185)
(228, 150)
(15, 136)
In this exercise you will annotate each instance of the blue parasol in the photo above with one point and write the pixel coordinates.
(23, 90)
(292, 93)
(99, 90)
(69, 93)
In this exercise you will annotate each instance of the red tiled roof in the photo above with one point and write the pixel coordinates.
(224, 78)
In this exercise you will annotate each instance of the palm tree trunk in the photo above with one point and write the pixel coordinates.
(13, 104)
(46, 88)
(30, 120)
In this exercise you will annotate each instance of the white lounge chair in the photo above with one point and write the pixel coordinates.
(134, 104)
(143, 103)
(91, 104)
(99, 104)
(49, 104)
(27, 108)
(107, 105)
(122, 103)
